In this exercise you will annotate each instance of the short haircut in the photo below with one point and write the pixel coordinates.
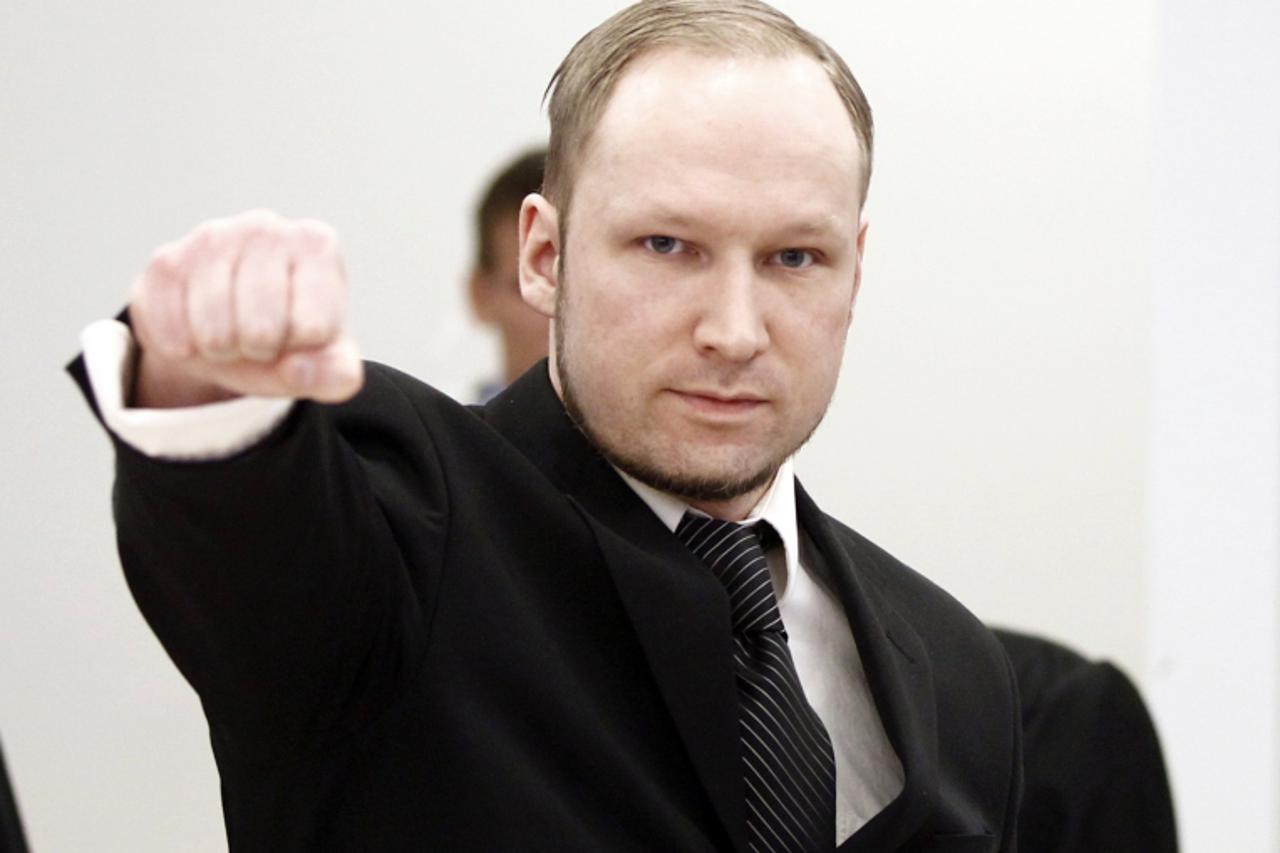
(502, 198)
(581, 87)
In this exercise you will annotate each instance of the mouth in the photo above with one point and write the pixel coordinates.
(720, 404)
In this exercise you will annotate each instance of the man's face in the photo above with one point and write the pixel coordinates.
(709, 271)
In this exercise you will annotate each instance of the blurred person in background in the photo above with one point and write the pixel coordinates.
(494, 283)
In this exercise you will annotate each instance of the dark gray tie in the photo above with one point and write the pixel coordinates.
(787, 760)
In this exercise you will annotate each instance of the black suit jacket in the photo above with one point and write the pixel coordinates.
(1095, 775)
(415, 625)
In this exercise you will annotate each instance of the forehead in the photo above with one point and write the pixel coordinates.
(683, 125)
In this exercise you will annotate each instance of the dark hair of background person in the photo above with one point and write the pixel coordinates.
(502, 198)
(494, 283)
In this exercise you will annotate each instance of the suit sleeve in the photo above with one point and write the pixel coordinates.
(274, 578)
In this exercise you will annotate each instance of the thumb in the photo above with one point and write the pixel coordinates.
(331, 374)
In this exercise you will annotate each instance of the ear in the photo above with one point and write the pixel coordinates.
(861, 246)
(539, 254)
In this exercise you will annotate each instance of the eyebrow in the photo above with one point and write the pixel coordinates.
(651, 211)
(811, 227)
(678, 219)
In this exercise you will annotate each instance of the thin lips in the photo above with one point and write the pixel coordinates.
(721, 397)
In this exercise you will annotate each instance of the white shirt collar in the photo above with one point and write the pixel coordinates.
(777, 506)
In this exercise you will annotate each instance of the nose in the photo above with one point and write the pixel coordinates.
(730, 321)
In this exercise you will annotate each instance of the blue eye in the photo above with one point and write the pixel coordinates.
(795, 259)
(663, 245)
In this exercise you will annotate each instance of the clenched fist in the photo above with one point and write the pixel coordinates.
(253, 304)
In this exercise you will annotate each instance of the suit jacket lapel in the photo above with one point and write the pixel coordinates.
(681, 616)
(678, 609)
(898, 673)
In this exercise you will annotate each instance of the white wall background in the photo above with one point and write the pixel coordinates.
(1060, 397)
(1214, 479)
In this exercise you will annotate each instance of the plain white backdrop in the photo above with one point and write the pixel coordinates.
(1059, 400)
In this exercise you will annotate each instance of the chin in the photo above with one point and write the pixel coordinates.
(698, 483)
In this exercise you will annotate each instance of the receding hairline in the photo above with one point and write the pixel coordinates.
(641, 62)
(600, 99)
(792, 121)
(583, 85)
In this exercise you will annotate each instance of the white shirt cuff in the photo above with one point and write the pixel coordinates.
(196, 433)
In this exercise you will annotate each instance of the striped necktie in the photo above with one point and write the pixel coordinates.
(787, 760)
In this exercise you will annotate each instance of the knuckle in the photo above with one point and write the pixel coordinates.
(253, 226)
(315, 236)
(164, 259)
(210, 239)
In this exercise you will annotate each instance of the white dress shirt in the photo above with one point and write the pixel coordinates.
(868, 773)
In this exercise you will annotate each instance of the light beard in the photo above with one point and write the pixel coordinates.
(689, 488)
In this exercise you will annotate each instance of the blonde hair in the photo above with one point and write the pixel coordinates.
(581, 87)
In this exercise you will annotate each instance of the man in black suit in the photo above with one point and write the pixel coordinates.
(538, 625)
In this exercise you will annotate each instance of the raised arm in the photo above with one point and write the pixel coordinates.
(275, 575)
